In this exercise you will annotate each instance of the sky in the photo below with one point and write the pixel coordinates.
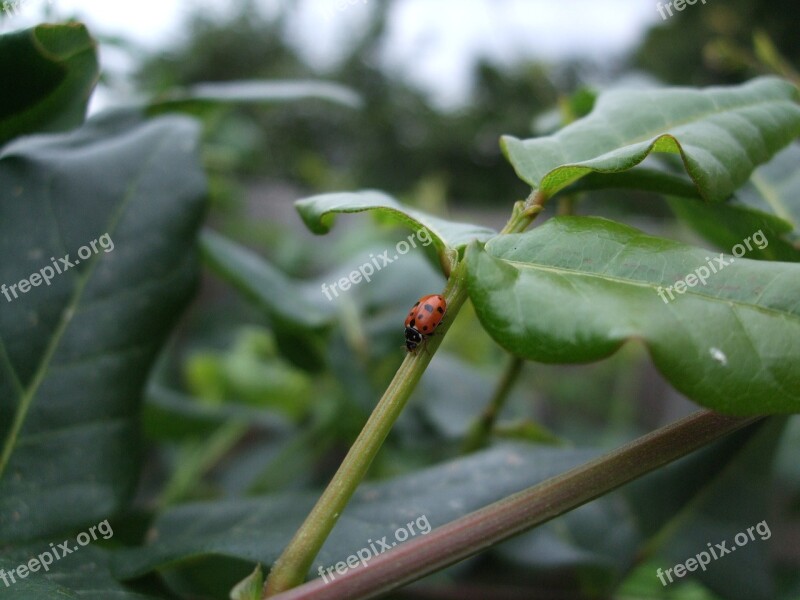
(431, 42)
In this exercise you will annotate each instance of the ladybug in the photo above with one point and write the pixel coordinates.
(424, 318)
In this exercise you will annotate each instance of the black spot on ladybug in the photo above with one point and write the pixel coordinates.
(425, 328)
(411, 323)
(416, 303)
(440, 310)
(429, 308)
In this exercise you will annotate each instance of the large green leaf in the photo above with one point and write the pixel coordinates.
(318, 213)
(257, 529)
(576, 289)
(47, 74)
(75, 352)
(721, 134)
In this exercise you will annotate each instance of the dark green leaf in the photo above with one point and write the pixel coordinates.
(769, 202)
(775, 189)
(257, 529)
(721, 134)
(728, 223)
(47, 74)
(170, 415)
(710, 497)
(282, 299)
(576, 289)
(75, 353)
(598, 541)
(639, 178)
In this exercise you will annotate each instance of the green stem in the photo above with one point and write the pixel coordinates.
(480, 431)
(197, 458)
(290, 569)
(294, 563)
(525, 212)
(464, 537)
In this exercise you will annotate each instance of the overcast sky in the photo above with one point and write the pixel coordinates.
(433, 42)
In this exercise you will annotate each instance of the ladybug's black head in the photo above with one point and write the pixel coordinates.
(413, 339)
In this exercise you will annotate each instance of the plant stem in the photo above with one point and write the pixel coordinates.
(481, 429)
(290, 569)
(519, 512)
(525, 212)
(294, 563)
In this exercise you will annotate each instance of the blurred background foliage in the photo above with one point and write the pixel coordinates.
(243, 404)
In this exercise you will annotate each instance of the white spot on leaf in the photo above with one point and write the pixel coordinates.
(719, 356)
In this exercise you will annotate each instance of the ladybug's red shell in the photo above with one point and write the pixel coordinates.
(424, 318)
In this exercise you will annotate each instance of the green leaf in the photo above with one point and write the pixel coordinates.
(47, 74)
(710, 497)
(196, 458)
(727, 224)
(318, 213)
(245, 373)
(282, 299)
(461, 391)
(600, 540)
(251, 587)
(597, 541)
(769, 202)
(256, 92)
(257, 529)
(75, 352)
(643, 583)
(576, 289)
(170, 415)
(721, 134)
(639, 178)
(775, 189)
